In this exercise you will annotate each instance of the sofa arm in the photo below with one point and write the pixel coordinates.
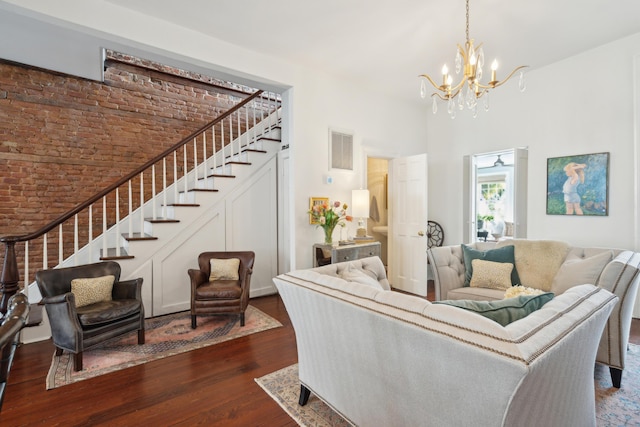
(447, 264)
(65, 326)
(622, 278)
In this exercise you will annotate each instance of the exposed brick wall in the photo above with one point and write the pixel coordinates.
(62, 138)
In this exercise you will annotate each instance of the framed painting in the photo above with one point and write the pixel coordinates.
(578, 185)
(315, 201)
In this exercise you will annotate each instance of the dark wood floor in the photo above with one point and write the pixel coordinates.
(213, 386)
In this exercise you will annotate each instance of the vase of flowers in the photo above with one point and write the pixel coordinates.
(328, 217)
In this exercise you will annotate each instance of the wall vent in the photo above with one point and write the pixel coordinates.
(340, 150)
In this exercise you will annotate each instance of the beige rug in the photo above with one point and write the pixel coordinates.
(165, 336)
(614, 407)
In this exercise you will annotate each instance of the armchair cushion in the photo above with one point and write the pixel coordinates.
(91, 290)
(503, 311)
(107, 311)
(219, 289)
(224, 269)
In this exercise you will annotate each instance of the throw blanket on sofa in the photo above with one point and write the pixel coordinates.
(537, 261)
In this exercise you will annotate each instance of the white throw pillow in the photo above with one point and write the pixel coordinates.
(490, 274)
(224, 269)
(579, 271)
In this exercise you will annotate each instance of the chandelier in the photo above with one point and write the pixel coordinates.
(469, 60)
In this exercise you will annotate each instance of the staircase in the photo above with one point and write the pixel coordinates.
(207, 185)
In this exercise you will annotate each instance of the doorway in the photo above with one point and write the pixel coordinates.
(377, 184)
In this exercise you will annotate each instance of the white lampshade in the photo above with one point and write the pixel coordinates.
(360, 203)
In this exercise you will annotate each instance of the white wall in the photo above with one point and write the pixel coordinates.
(584, 104)
(318, 101)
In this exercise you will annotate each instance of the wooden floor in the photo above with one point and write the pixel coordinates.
(213, 386)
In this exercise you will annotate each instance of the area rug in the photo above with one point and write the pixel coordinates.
(614, 407)
(165, 336)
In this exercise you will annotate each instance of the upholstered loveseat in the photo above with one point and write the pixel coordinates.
(380, 357)
(552, 266)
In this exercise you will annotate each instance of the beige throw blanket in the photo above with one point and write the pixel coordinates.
(537, 261)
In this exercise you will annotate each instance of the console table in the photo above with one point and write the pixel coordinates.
(328, 254)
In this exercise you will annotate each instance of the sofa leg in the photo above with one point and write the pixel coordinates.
(58, 351)
(77, 361)
(304, 395)
(616, 376)
(141, 336)
(193, 321)
(242, 319)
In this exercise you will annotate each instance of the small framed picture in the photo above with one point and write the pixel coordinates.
(578, 185)
(316, 201)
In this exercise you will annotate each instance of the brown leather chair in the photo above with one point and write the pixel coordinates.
(220, 296)
(77, 328)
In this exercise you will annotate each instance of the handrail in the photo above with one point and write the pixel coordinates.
(125, 179)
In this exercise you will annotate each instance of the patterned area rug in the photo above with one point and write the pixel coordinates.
(614, 407)
(165, 336)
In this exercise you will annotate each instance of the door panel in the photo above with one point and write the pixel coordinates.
(407, 224)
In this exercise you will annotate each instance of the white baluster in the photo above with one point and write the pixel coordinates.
(204, 158)
(75, 241)
(164, 188)
(175, 177)
(153, 192)
(213, 147)
(195, 164)
(104, 226)
(141, 204)
(26, 268)
(117, 237)
(222, 145)
(184, 170)
(60, 245)
(90, 233)
(233, 153)
(246, 131)
(130, 211)
(253, 128)
(230, 145)
(45, 250)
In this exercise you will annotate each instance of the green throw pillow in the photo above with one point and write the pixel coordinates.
(503, 311)
(503, 254)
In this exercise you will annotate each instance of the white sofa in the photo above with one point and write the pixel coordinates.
(381, 357)
(555, 266)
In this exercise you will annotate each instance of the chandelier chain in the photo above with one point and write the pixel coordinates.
(467, 21)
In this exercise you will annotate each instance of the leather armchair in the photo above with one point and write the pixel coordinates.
(220, 296)
(77, 328)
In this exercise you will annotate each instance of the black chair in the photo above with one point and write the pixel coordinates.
(77, 328)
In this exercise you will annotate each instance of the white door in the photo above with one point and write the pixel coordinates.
(407, 224)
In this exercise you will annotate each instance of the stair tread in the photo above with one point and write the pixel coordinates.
(213, 190)
(188, 205)
(270, 139)
(160, 220)
(220, 175)
(253, 150)
(237, 162)
(138, 236)
(112, 254)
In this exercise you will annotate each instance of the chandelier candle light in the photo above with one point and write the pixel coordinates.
(469, 60)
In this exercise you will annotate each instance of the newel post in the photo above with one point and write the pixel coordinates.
(10, 276)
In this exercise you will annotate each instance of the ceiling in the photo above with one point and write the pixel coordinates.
(389, 43)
